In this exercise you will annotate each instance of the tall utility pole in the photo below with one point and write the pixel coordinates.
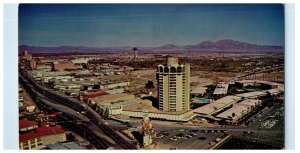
(134, 52)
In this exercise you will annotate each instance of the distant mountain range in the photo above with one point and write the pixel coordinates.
(224, 45)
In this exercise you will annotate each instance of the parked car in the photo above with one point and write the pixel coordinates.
(174, 139)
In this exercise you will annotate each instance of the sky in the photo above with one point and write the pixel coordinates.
(148, 25)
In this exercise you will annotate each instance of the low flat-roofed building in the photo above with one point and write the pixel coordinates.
(46, 73)
(65, 146)
(234, 113)
(117, 107)
(197, 91)
(41, 137)
(30, 141)
(81, 60)
(182, 116)
(275, 91)
(44, 68)
(269, 84)
(26, 125)
(60, 78)
(113, 85)
(221, 89)
(281, 87)
(238, 110)
(217, 106)
(250, 102)
(30, 108)
(255, 94)
(66, 86)
(89, 95)
(110, 104)
(114, 91)
(145, 107)
(59, 66)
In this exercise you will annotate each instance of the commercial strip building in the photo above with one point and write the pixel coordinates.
(239, 110)
(217, 106)
(173, 86)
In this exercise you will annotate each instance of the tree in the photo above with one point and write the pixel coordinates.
(149, 84)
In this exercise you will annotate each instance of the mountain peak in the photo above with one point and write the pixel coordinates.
(222, 45)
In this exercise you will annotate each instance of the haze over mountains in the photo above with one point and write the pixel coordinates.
(224, 45)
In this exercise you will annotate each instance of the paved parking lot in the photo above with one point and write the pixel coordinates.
(187, 143)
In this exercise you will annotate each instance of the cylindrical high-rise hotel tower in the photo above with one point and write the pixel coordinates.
(173, 86)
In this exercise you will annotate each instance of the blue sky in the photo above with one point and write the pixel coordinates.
(148, 25)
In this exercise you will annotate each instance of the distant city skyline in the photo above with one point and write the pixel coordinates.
(148, 25)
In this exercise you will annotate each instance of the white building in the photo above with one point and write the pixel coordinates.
(173, 83)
